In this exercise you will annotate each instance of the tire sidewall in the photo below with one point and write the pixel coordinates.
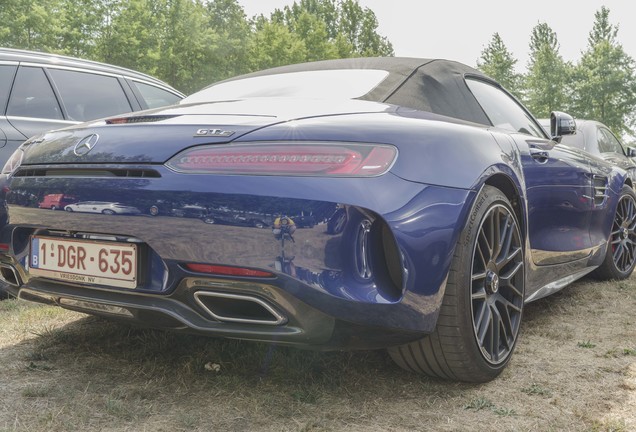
(609, 266)
(488, 198)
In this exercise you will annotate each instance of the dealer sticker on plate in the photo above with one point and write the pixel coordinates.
(84, 261)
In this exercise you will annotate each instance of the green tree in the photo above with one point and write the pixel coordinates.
(604, 86)
(81, 26)
(230, 56)
(31, 24)
(187, 45)
(359, 27)
(326, 28)
(272, 44)
(499, 64)
(132, 34)
(547, 76)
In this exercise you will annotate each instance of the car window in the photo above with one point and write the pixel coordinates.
(32, 96)
(502, 110)
(340, 83)
(6, 79)
(156, 97)
(608, 143)
(89, 96)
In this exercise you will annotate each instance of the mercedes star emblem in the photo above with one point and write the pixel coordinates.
(85, 145)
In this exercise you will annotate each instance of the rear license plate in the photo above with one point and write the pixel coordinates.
(84, 261)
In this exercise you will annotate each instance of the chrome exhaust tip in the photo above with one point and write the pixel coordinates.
(238, 308)
(9, 275)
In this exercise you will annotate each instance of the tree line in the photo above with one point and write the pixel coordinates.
(192, 43)
(600, 86)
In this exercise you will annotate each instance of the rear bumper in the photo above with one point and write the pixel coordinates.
(369, 273)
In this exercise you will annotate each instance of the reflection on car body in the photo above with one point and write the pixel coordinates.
(433, 206)
(108, 208)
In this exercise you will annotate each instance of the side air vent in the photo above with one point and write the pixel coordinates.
(87, 172)
(599, 183)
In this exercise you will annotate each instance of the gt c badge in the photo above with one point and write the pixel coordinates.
(213, 133)
(86, 144)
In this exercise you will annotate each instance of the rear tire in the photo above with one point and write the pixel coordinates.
(481, 312)
(620, 257)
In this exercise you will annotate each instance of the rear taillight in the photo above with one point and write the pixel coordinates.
(306, 159)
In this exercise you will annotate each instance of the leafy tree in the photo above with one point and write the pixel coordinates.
(31, 24)
(272, 44)
(604, 84)
(81, 26)
(132, 35)
(499, 64)
(191, 43)
(230, 56)
(187, 45)
(547, 78)
(359, 27)
(330, 29)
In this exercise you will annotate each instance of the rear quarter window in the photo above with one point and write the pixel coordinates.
(155, 97)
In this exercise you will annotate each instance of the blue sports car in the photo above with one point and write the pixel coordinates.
(439, 207)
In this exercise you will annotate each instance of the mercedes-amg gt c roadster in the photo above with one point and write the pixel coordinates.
(405, 203)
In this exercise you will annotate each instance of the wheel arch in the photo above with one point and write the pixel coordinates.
(508, 187)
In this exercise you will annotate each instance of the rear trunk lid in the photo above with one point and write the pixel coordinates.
(155, 136)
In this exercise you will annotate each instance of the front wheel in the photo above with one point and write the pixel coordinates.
(620, 257)
(480, 317)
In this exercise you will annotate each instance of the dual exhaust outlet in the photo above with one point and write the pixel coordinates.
(238, 308)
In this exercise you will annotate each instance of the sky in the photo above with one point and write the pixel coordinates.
(460, 30)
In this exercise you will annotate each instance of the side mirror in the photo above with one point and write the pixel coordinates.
(631, 151)
(561, 124)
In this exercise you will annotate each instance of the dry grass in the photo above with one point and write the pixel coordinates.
(574, 370)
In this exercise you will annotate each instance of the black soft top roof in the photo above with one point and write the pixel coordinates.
(432, 85)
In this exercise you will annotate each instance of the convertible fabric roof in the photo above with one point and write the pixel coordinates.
(432, 85)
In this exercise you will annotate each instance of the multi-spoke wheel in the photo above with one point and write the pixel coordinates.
(481, 312)
(620, 257)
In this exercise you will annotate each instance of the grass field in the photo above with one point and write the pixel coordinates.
(574, 370)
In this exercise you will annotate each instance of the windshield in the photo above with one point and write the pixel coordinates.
(320, 84)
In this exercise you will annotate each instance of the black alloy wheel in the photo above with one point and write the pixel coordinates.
(623, 237)
(482, 308)
(497, 276)
(620, 258)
